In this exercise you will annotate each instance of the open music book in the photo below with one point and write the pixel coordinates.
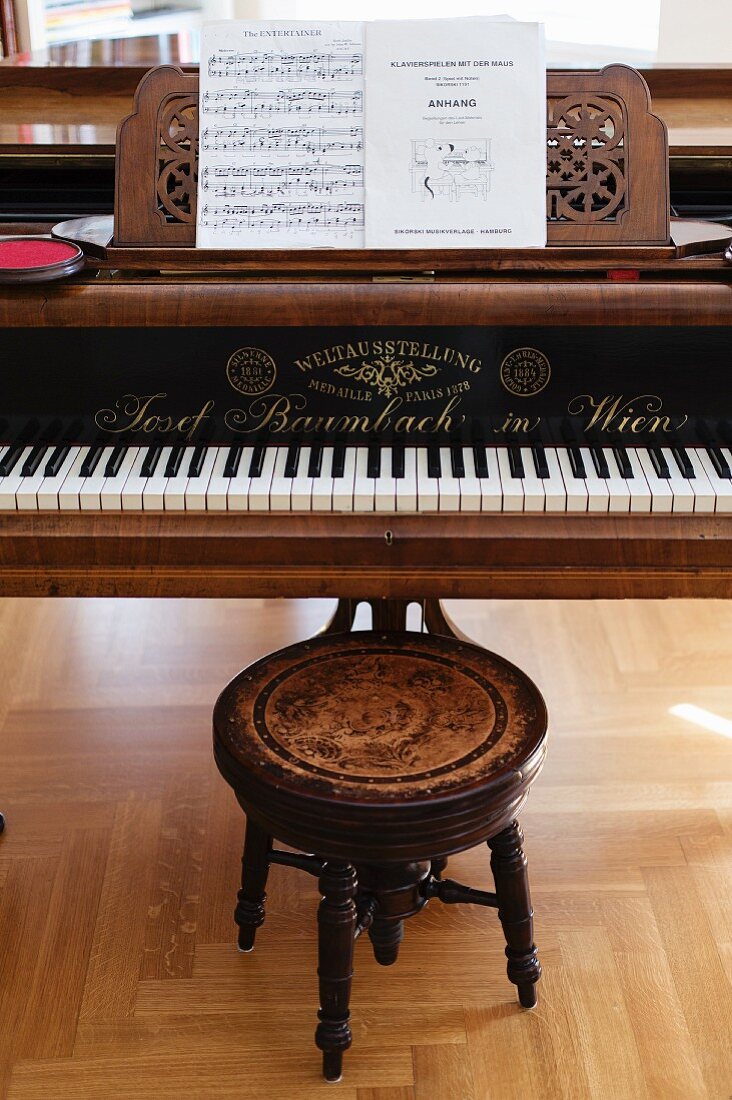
(418, 134)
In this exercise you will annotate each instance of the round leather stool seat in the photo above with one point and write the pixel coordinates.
(381, 745)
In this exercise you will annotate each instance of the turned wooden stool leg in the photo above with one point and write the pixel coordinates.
(336, 933)
(508, 864)
(386, 936)
(249, 912)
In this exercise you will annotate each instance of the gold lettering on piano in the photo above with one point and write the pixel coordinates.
(277, 413)
(393, 363)
(643, 413)
(132, 413)
(516, 425)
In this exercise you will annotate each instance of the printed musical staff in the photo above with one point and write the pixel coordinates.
(248, 181)
(285, 215)
(284, 139)
(286, 66)
(251, 103)
(281, 136)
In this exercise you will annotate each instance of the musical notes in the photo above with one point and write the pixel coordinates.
(343, 216)
(281, 136)
(286, 66)
(248, 181)
(249, 103)
(284, 139)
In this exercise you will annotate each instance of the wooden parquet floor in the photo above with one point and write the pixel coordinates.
(119, 979)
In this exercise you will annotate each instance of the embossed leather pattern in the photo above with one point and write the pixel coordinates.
(381, 716)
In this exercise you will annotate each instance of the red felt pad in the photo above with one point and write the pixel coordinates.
(26, 253)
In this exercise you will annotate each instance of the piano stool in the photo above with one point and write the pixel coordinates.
(382, 753)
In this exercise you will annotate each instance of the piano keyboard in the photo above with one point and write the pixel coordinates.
(388, 479)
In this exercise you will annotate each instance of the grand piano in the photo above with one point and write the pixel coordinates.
(380, 425)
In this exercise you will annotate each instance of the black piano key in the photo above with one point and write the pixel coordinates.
(457, 461)
(174, 460)
(115, 461)
(540, 463)
(660, 465)
(624, 466)
(231, 466)
(576, 462)
(56, 460)
(34, 459)
(434, 465)
(516, 462)
(151, 460)
(481, 460)
(684, 463)
(398, 460)
(92, 459)
(373, 461)
(10, 459)
(257, 463)
(293, 460)
(315, 462)
(197, 459)
(599, 461)
(719, 462)
(339, 460)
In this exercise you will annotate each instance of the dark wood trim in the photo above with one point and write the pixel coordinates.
(8, 33)
(499, 556)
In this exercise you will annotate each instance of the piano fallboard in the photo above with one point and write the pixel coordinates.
(366, 384)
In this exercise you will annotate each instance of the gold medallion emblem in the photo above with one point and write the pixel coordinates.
(251, 371)
(525, 371)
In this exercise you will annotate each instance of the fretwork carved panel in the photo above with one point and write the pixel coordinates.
(178, 158)
(607, 161)
(586, 153)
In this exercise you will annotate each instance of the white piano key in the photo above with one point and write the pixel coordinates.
(48, 493)
(213, 490)
(174, 497)
(26, 495)
(68, 494)
(428, 493)
(512, 488)
(598, 494)
(617, 485)
(280, 487)
(640, 493)
(406, 487)
(662, 499)
(90, 490)
(470, 495)
(259, 486)
(10, 484)
(134, 486)
(363, 485)
(302, 485)
(448, 486)
(702, 488)
(555, 492)
(321, 489)
(681, 487)
(197, 487)
(111, 492)
(343, 486)
(153, 494)
(491, 490)
(575, 487)
(385, 485)
(722, 486)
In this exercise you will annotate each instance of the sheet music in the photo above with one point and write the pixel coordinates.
(281, 162)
